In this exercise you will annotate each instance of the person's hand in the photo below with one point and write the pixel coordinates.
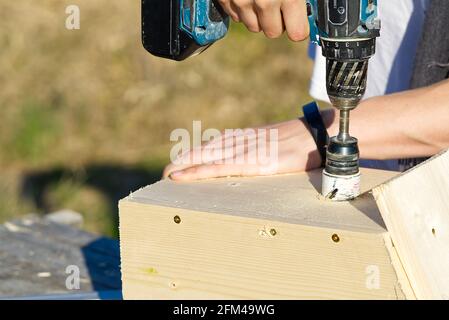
(295, 152)
(270, 16)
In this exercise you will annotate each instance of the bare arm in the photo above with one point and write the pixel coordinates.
(413, 123)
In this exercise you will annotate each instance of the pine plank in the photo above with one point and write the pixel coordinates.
(254, 238)
(415, 208)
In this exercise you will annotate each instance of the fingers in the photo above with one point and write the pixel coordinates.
(270, 17)
(169, 169)
(214, 171)
(226, 5)
(229, 148)
(242, 11)
(246, 14)
(294, 13)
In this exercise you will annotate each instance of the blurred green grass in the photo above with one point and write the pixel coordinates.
(72, 102)
(34, 132)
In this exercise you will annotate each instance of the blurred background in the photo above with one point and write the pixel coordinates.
(86, 114)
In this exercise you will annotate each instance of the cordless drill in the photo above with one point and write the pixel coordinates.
(345, 29)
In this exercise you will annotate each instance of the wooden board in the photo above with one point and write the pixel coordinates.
(255, 238)
(415, 207)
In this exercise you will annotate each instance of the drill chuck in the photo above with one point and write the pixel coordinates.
(346, 82)
(347, 70)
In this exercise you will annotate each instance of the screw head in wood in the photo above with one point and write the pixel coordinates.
(273, 232)
(335, 238)
(177, 219)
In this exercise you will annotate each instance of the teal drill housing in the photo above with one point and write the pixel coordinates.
(368, 19)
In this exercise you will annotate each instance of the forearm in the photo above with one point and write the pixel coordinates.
(414, 123)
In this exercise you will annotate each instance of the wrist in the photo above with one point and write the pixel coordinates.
(330, 120)
(308, 149)
(317, 128)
